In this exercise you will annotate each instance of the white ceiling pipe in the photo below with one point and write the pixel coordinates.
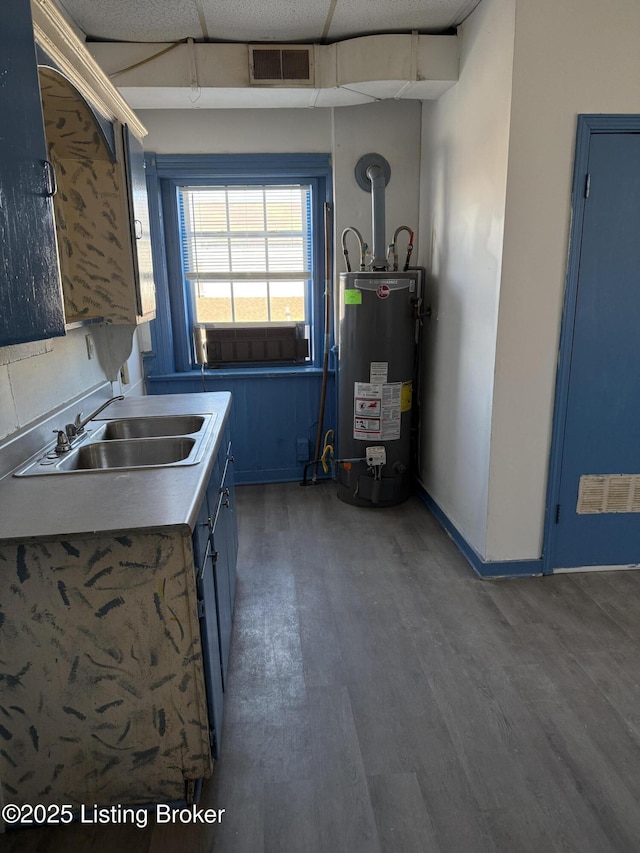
(349, 72)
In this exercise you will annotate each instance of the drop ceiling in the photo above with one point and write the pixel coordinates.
(194, 54)
(302, 21)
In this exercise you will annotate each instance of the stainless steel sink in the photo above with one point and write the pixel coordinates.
(163, 425)
(134, 453)
(128, 443)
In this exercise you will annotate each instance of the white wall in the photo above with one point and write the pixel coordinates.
(31, 385)
(571, 57)
(236, 131)
(390, 128)
(463, 189)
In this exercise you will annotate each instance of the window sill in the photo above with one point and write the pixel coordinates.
(290, 370)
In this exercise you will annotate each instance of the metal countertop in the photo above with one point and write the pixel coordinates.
(74, 503)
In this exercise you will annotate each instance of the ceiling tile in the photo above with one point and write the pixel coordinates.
(144, 20)
(360, 17)
(272, 21)
(269, 21)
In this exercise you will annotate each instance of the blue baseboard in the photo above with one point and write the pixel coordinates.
(485, 569)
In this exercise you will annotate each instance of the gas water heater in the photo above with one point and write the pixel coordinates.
(378, 312)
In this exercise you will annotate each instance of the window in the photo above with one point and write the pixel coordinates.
(246, 252)
(242, 259)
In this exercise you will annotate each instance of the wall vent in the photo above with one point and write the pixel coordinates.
(275, 65)
(600, 493)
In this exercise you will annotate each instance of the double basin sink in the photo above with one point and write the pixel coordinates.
(129, 443)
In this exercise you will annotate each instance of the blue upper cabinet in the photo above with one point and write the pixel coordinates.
(31, 306)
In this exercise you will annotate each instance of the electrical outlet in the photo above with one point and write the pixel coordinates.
(91, 350)
(302, 449)
(124, 374)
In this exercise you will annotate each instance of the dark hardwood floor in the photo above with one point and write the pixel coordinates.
(383, 700)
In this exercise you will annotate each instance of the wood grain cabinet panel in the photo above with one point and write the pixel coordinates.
(101, 676)
(101, 274)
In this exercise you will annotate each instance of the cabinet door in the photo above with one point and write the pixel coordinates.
(140, 227)
(210, 646)
(201, 534)
(30, 291)
(223, 596)
(230, 521)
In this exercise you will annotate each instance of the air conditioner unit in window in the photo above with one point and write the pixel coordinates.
(233, 344)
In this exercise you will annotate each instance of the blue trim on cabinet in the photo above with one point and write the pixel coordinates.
(586, 126)
(485, 569)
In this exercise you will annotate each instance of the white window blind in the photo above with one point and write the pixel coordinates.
(247, 252)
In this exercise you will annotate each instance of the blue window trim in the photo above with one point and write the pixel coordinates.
(171, 330)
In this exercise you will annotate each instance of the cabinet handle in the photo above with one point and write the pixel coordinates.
(52, 180)
(210, 555)
(137, 226)
(203, 565)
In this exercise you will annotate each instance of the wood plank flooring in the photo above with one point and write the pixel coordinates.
(383, 700)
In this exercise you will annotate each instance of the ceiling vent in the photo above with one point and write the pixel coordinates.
(274, 65)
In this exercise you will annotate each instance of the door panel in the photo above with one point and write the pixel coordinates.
(602, 428)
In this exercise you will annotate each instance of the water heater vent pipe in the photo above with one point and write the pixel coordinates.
(372, 174)
(375, 175)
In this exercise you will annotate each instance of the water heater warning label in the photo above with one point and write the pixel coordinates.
(368, 407)
(378, 371)
(377, 410)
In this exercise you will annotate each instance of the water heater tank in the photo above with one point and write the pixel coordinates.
(377, 342)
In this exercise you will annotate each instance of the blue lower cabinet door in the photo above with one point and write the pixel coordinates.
(223, 595)
(211, 647)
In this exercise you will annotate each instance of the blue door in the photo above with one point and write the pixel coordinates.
(596, 521)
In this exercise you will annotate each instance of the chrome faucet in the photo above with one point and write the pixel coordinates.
(77, 427)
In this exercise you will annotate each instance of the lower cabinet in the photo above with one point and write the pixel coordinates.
(103, 691)
(215, 545)
(205, 584)
(113, 658)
